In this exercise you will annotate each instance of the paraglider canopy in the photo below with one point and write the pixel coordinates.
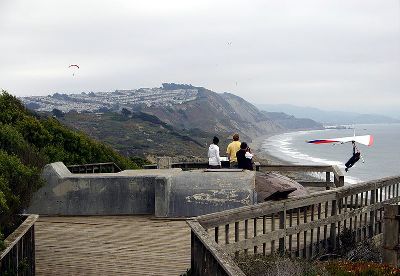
(74, 67)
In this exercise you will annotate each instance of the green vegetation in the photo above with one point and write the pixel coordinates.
(27, 143)
(141, 134)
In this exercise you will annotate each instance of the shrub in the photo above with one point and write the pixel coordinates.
(27, 143)
(258, 264)
(17, 186)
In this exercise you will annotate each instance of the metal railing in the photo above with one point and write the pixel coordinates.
(94, 168)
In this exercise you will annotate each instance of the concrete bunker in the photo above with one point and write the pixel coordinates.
(159, 192)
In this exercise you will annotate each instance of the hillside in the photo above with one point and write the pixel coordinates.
(29, 141)
(328, 117)
(217, 113)
(176, 119)
(292, 123)
(141, 134)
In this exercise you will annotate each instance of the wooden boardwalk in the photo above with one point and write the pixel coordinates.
(112, 245)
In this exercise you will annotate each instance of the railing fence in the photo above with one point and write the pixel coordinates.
(304, 227)
(19, 256)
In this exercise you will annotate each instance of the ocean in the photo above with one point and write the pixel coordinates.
(382, 159)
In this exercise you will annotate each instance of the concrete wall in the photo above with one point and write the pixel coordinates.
(196, 192)
(164, 193)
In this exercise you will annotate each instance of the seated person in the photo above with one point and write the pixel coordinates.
(244, 157)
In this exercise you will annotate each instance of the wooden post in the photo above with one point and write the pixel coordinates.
(328, 180)
(391, 235)
(282, 224)
(371, 228)
(333, 226)
(164, 162)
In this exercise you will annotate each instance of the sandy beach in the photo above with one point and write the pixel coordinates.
(263, 156)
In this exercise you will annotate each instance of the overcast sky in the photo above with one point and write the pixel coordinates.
(333, 54)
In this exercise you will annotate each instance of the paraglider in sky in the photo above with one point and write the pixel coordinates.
(74, 67)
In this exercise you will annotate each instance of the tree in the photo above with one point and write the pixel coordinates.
(125, 112)
(57, 113)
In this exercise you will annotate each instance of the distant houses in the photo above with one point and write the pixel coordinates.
(114, 101)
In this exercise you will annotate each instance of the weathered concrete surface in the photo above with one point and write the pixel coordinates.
(165, 193)
(197, 192)
(126, 192)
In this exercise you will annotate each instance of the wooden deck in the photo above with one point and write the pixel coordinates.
(113, 245)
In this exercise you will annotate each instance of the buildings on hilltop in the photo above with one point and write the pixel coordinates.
(111, 100)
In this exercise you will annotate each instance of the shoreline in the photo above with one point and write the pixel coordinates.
(263, 156)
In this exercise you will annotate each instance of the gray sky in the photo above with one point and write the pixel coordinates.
(333, 54)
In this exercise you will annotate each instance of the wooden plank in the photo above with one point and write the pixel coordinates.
(298, 234)
(333, 226)
(282, 225)
(18, 234)
(338, 175)
(328, 180)
(312, 233)
(372, 214)
(250, 243)
(326, 226)
(290, 236)
(319, 229)
(255, 233)
(258, 210)
(237, 236)
(391, 235)
(246, 232)
(226, 233)
(305, 251)
(313, 199)
(241, 213)
(355, 226)
(296, 168)
(264, 231)
(224, 260)
(272, 230)
(318, 184)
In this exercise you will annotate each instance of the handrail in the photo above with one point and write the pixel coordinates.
(20, 247)
(303, 226)
(91, 168)
(225, 264)
(338, 175)
(228, 216)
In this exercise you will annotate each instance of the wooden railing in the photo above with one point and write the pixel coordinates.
(94, 168)
(338, 177)
(187, 165)
(304, 227)
(19, 256)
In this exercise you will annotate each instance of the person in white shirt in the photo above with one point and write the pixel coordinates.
(214, 161)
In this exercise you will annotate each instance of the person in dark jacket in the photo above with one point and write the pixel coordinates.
(243, 161)
(356, 156)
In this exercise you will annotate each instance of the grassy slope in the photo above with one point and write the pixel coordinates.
(141, 135)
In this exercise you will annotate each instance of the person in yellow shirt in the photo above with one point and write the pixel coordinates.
(232, 149)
